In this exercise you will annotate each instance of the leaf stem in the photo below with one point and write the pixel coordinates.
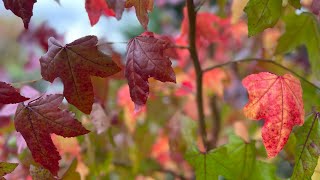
(27, 82)
(265, 61)
(194, 56)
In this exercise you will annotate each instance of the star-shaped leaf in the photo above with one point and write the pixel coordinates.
(277, 100)
(9, 95)
(74, 63)
(37, 120)
(142, 8)
(21, 8)
(146, 58)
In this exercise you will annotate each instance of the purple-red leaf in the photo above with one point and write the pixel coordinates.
(74, 63)
(9, 95)
(146, 58)
(37, 120)
(21, 8)
(117, 6)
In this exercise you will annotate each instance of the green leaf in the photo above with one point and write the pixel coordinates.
(262, 14)
(295, 3)
(308, 148)
(236, 160)
(6, 168)
(302, 29)
(71, 173)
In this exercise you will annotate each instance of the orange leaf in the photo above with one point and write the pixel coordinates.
(142, 7)
(277, 100)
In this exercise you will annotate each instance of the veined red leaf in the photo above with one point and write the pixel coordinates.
(146, 58)
(74, 63)
(21, 8)
(10, 95)
(277, 100)
(95, 8)
(142, 8)
(36, 120)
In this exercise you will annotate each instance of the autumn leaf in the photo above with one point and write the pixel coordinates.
(146, 58)
(277, 100)
(21, 8)
(117, 6)
(37, 120)
(307, 148)
(74, 63)
(95, 8)
(262, 14)
(142, 8)
(315, 7)
(6, 168)
(10, 95)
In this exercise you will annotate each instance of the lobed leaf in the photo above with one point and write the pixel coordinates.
(10, 95)
(146, 58)
(142, 8)
(95, 8)
(262, 14)
(37, 120)
(74, 63)
(307, 148)
(277, 100)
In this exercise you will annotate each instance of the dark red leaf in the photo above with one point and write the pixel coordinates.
(95, 8)
(37, 120)
(21, 8)
(74, 63)
(146, 58)
(9, 95)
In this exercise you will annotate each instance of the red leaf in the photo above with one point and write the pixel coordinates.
(142, 8)
(277, 100)
(117, 6)
(146, 58)
(95, 8)
(21, 8)
(74, 63)
(36, 120)
(9, 95)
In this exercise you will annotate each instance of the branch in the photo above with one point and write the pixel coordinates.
(265, 61)
(194, 56)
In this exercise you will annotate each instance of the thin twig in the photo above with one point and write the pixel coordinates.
(195, 59)
(265, 61)
(27, 82)
(179, 47)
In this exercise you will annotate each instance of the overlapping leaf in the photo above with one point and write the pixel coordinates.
(262, 14)
(96, 8)
(9, 95)
(222, 161)
(302, 29)
(6, 168)
(307, 148)
(277, 100)
(21, 8)
(117, 6)
(74, 63)
(146, 58)
(37, 120)
(142, 8)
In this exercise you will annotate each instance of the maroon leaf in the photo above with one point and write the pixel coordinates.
(95, 8)
(146, 58)
(117, 6)
(9, 95)
(36, 120)
(21, 8)
(74, 63)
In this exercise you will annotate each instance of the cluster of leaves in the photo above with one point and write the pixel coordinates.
(81, 65)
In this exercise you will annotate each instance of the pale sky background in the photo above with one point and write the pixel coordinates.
(71, 19)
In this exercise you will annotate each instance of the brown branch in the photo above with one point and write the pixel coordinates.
(216, 121)
(265, 61)
(194, 56)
